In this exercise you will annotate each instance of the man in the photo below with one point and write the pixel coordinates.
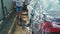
(19, 7)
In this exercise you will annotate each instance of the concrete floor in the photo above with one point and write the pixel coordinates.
(20, 31)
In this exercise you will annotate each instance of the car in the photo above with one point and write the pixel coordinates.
(50, 22)
(51, 18)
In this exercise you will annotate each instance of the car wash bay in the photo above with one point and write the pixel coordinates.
(40, 17)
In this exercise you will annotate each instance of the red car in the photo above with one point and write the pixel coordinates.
(51, 23)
